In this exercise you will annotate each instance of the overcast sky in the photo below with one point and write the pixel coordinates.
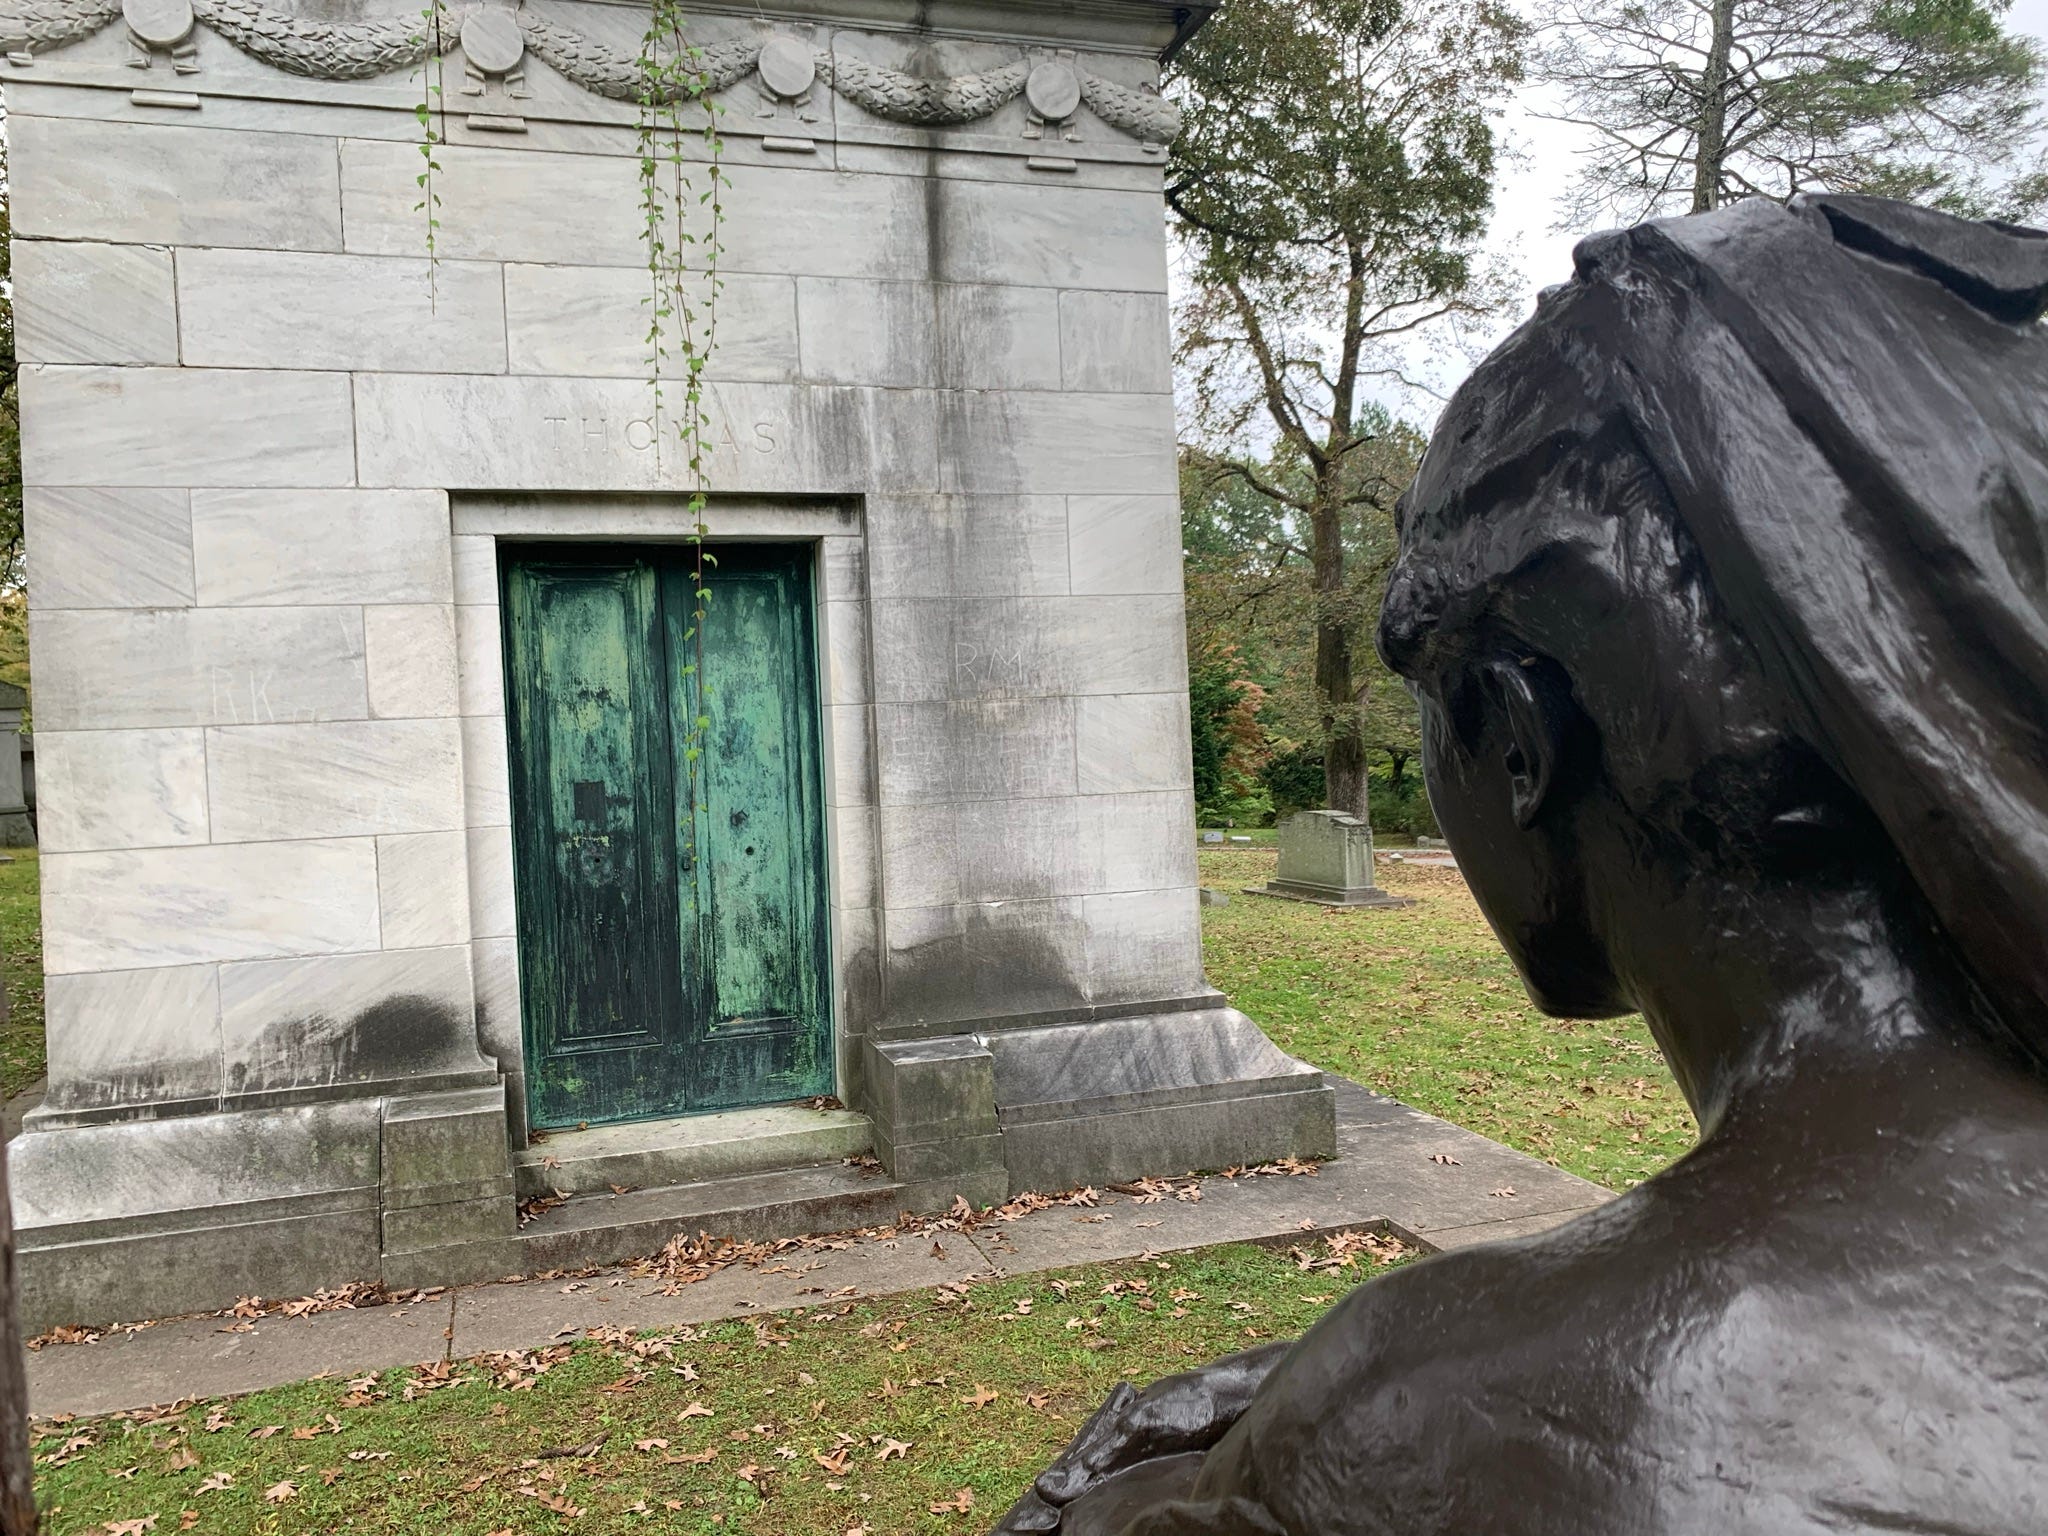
(1526, 208)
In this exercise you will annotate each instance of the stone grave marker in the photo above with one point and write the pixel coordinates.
(1326, 857)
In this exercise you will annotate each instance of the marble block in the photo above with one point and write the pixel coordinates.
(344, 778)
(327, 1021)
(132, 1038)
(76, 178)
(1195, 1088)
(107, 669)
(148, 1218)
(120, 789)
(294, 548)
(161, 426)
(126, 909)
(1115, 341)
(90, 548)
(410, 651)
(297, 309)
(83, 302)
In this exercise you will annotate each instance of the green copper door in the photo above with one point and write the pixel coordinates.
(672, 950)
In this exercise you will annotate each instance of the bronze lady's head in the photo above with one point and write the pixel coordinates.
(1729, 571)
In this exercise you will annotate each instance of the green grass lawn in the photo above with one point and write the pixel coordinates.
(1420, 1002)
(21, 966)
(922, 1413)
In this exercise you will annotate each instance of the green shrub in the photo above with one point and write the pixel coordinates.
(1294, 781)
(1400, 807)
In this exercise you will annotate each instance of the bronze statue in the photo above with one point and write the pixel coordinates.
(1724, 590)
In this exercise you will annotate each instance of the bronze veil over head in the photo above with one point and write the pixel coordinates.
(1724, 591)
(1843, 408)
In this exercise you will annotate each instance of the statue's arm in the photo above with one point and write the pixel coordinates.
(1173, 1416)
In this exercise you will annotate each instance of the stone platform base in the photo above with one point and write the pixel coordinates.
(1325, 896)
(1399, 1170)
(153, 1218)
(150, 1218)
(1049, 1107)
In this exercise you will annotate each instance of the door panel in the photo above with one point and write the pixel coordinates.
(671, 922)
(590, 796)
(758, 830)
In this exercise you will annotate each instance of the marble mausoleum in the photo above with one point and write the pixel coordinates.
(377, 842)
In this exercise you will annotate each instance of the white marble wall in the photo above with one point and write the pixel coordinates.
(264, 448)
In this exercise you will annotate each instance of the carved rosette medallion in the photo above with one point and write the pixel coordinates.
(158, 23)
(161, 24)
(788, 68)
(492, 42)
(786, 71)
(493, 50)
(1053, 91)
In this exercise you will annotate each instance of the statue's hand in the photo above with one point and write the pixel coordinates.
(1172, 1417)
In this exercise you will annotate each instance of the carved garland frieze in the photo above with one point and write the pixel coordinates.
(362, 50)
(324, 50)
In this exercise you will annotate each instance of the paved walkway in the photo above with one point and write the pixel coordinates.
(1388, 1171)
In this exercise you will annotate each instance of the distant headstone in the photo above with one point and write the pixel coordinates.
(1240, 840)
(16, 830)
(1326, 857)
(1212, 837)
(1215, 898)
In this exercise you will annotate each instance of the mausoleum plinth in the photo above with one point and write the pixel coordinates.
(1326, 858)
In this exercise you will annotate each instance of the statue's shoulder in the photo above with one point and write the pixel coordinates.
(1641, 1370)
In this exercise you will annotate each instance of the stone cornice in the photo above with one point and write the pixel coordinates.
(494, 39)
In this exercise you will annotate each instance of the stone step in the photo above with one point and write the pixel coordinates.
(689, 1149)
(758, 1207)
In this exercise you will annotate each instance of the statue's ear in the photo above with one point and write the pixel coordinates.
(1535, 734)
(2002, 269)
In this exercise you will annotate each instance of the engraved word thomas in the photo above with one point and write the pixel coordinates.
(640, 433)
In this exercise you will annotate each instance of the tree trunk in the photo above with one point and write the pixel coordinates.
(17, 1485)
(1343, 751)
(1344, 773)
(1712, 145)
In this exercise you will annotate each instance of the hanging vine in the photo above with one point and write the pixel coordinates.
(677, 113)
(675, 79)
(432, 104)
